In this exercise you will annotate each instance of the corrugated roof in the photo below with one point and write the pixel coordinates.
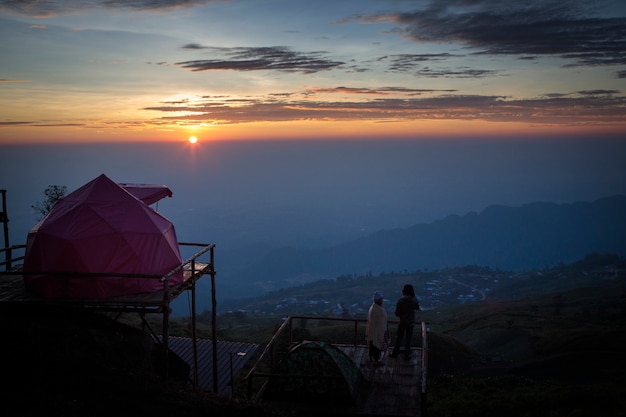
(238, 352)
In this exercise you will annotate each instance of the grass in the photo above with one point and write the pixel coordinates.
(554, 362)
(510, 395)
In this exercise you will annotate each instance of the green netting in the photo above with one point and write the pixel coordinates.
(315, 372)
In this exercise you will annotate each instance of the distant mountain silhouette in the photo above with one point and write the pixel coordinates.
(535, 235)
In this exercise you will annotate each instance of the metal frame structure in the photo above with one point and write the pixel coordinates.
(12, 291)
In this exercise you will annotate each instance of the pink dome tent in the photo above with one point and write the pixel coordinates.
(102, 228)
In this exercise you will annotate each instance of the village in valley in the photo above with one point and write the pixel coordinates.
(350, 296)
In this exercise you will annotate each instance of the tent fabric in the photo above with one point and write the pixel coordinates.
(148, 193)
(315, 372)
(100, 228)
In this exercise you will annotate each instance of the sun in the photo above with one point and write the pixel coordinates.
(193, 139)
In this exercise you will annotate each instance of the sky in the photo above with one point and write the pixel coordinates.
(317, 121)
(164, 70)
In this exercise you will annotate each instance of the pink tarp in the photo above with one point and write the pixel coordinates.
(100, 228)
(148, 193)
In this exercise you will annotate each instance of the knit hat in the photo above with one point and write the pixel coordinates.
(377, 296)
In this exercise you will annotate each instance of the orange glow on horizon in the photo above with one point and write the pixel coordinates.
(308, 130)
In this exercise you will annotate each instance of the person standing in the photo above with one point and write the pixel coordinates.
(405, 311)
(376, 329)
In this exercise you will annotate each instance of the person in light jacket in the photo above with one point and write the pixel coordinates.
(405, 311)
(376, 330)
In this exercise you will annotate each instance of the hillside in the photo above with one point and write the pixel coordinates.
(557, 352)
(521, 317)
(514, 358)
(552, 354)
(546, 342)
(560, 354)
(437, 288)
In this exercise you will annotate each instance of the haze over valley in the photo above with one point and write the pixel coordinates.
(267, 204)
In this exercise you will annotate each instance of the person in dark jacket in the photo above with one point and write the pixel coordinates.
(405, 311)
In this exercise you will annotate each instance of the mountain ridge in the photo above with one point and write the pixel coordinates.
(534, 235)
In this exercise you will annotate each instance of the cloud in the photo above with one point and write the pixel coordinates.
(381, 91)
(406, 62)
(598, 92)
(384, 104)
(49, 8)
(194, 46)
(458, 73)
(565, 29)
(10, 80)
(11, 124)
(414, 63)
(39, 124)
(577, 108)
(277, 58)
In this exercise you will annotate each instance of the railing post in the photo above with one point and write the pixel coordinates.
(214, 319)
(193, 325)
(424, 369)
(166, 318)
(4, 218)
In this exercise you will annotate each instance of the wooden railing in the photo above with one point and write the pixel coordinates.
(423, 402)
(9, 258)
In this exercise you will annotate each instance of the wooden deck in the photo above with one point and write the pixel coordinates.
(14, 295)
(13, 292)
(397, 387)
(390, 389)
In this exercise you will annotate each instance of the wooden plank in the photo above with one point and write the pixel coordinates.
(12, 290)
(391, 389)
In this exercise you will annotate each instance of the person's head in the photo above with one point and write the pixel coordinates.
(408, 290)
(378, 297)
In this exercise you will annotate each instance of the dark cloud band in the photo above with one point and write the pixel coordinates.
(564, 29)
(264, 58)
(46, 8)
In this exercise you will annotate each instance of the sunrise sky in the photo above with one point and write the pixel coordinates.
(144, 70)
(318, 122)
